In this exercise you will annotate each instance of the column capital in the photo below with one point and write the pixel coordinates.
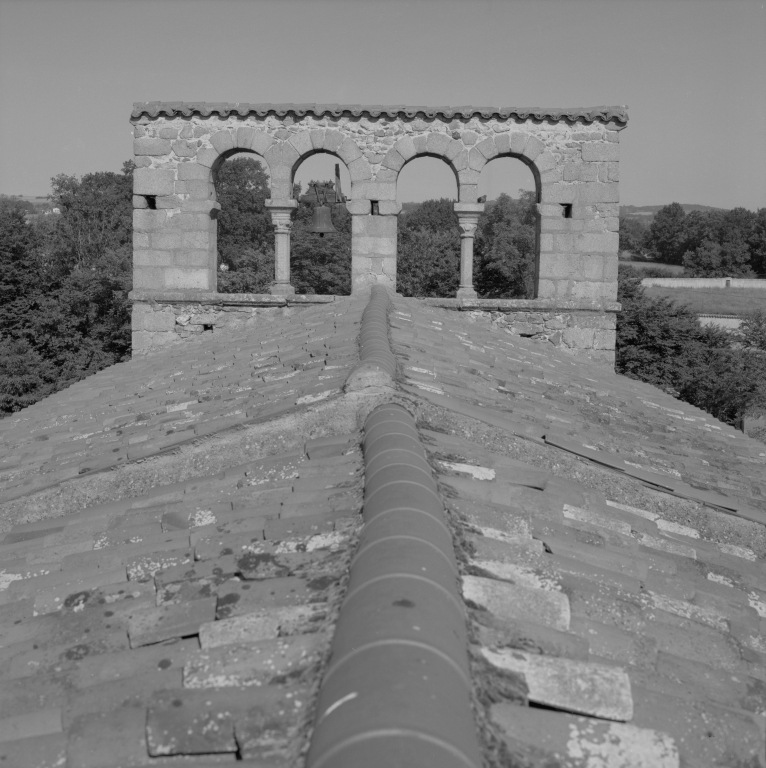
(276, 205)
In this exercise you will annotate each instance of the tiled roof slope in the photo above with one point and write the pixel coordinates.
(243, 109)
(181, 529)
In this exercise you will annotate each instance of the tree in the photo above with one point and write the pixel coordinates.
(96, 215)
(63, 287)
(633, 236)
(757, 243)
(728, 383)
(711, 259)
(255, 273)
(666, 238)
(432, 215)
(428, 263)
(657, 340)
(321, 264)
(505, 248)
(663, 343)
(244, 222)
(751, 334)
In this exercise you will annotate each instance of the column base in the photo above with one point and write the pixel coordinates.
(282, 289)
(466, 293)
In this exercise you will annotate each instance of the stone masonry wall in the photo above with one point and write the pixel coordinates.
(573, 156)
(157, 323)
(592, 334)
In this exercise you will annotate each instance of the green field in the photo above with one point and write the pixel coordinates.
(714, 301)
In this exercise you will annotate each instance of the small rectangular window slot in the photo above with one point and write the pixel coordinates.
(566, 210)
(151, 201)
(375, 207)
(207, 327)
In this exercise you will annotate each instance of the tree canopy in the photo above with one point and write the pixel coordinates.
(64, 281)
(707, 243)
(662, 343)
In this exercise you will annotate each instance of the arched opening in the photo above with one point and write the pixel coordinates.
(245, 234)
(506, 246)
(321, 264)
(428, 237)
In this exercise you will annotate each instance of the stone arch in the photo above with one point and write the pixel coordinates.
(531, 261)
(516, 144)
(224, 144)
(577, 187)
(285, 157)
(438, 145)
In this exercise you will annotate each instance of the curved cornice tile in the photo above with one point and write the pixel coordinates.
(155, 109)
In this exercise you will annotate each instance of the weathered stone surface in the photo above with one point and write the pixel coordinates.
(375, 153)
(148, 146)
(108, 739)
(151, 181)
(581, 742)
(253, 663)
(239, 598)
(510, 601)
(259, 625)
(154, 625)
(35, 752)
(574, 686)
(40, 723)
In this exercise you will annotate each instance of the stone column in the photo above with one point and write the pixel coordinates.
(373, 243)
(468, 219)
(281, 218)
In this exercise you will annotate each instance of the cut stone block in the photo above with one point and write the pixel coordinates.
(36, 752)
(142, 569)
(530, 637)
(108, 739)
(39, 723)
(135, 690)
(574, 686)
(581, 742)
(510, 601)
(236, 598)
(153, 659)
(265, 624)
(185, 722)
(252, 664)
(33, 657)
(150, 181)
(706, 734)
(153, 625)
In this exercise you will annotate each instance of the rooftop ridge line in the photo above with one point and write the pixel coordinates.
(387, 619)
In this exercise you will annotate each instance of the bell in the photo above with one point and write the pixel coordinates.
(321, 221)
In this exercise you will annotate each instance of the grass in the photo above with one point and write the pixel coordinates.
(714, 301)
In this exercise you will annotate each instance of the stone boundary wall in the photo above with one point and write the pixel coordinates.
(702, 282)
(573, 155)
(161, 320)
(581, 328)
(727, 322)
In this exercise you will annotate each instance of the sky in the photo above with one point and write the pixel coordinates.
(692, 72)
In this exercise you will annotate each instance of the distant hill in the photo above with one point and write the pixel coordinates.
(646, 212)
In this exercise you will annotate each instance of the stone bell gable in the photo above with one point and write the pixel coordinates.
(573, 155)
